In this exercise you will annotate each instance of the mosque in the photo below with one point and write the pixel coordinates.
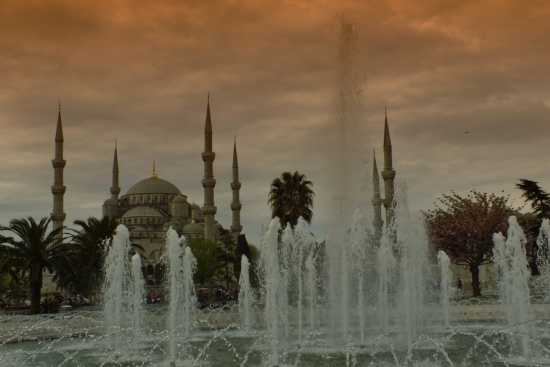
(153, 205)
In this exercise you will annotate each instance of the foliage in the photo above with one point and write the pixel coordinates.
(291, 197)
(254, 266)
(540, 199)
(531, 222)
(241, 249)
(90, 239)
(227, 254)
(209, 263)
(36, 251)
(464, 228)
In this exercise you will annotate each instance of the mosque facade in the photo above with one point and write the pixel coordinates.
(153, 205)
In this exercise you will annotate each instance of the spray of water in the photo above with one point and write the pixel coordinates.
(245, 294)
(543, 257)
(511, 262)
(386, 273)
(446, 284)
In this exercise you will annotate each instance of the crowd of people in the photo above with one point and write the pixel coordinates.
(154, 298)
(216, 298)
(17, 302)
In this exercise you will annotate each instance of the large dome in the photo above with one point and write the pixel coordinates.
(153, 186)
(141, 211)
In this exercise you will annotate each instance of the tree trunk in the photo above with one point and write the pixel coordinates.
(35, 288)
(474, 269)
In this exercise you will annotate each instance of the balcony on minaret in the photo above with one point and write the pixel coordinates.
(59, 163)
(208, 156)
(208, 182)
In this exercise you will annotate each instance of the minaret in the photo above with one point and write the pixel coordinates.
(376, 200)
(115, 189)
(208, 182)
(236, 206)
(388, 174)
(58, 190)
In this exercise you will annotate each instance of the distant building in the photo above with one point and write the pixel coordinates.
(153, 205)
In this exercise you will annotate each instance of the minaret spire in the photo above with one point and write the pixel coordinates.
(376, 199)
(388, 174)
(208, 182)
(115, 189)
(58, 189)
(236, 205)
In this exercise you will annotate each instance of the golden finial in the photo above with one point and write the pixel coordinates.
(192, 217)
(208, 97)
(374, 152)
(235, 139)
(59, 106)
(116, 143)
(385, 112)
(154, 173)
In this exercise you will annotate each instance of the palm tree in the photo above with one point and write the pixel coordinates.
(291, 197)
(35, 251)
(91, 239)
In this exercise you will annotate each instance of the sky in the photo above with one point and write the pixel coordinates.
(466, 86)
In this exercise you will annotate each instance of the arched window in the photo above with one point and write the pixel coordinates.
(147, 220)
(133, 199)
(141, 221)
(156, 198)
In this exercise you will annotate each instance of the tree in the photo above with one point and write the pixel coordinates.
(241, 249)
(208, 260)
(540, 199)
(35, 251)
(291, 197)
(531, 222)
(90, 239)
(227, 252)
(464, 228)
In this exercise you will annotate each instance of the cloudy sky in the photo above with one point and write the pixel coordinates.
(140, 72)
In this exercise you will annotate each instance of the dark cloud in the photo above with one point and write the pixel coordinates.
(140, 71)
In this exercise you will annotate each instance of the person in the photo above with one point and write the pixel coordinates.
(459, 284)
(54, 305)
(45, 305)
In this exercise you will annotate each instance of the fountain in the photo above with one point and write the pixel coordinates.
(511, 261)
(292, 325)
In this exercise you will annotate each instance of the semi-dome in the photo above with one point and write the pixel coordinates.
(142, 211)
(179, 198)
(153, 186)
(110, 201)
(193, 228)
(198, 214)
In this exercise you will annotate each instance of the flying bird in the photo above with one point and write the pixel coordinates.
(467, 132)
